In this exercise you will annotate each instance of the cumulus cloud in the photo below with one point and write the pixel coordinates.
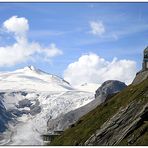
(91, 68)
(17, 25)
(23, 50)
(97, 28)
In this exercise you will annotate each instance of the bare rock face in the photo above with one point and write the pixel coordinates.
(120, 125)
(140, 76)
(108, 88)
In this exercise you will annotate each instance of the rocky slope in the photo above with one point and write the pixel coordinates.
(125, 121)
(121, 120)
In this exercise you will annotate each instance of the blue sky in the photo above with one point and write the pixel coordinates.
(67, 25)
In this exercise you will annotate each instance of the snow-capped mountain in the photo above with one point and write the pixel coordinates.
(30, 97)
(32, 78)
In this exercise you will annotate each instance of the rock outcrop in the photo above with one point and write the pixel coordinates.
(108, 88)
(140, 76)
(126, 120)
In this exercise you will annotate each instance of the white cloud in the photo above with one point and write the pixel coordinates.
(23, 50)
(97, 28)
(91, 68)
(17, 25)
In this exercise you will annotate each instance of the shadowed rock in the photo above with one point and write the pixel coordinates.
(24, 103)
(5, 116)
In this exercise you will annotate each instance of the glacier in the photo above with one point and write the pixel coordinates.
(29, 98)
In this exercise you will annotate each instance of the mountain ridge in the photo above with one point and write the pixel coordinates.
(29, 77)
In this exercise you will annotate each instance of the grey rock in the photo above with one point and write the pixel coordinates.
(24, 103)
(24, 93)
(35, 109)
(121, 124)
(140, 76)
(109, 87)
(15, 112)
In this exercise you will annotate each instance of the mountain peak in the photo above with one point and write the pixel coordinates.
(31, 78)
(30, 67)
(110, 87)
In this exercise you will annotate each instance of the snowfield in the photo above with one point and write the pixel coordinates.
(30, 78)
(89, 87)
(31, 97)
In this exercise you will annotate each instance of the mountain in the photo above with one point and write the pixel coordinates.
(109, 88)
(106, 90)
(121, 120)
(32, 79)
(30, 97)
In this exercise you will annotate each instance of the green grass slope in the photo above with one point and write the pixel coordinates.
(88, 124)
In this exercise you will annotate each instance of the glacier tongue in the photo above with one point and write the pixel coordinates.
(30, 127)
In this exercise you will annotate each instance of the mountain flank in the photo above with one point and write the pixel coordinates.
(121, 120)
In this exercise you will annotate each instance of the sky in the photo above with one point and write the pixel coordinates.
(81, 42)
